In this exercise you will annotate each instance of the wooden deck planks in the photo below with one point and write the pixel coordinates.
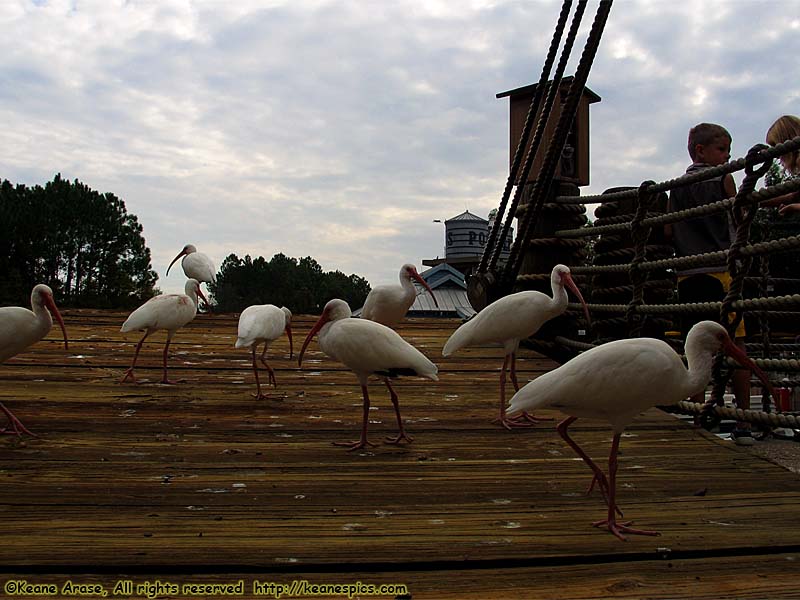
(771, 577)
(202, 478)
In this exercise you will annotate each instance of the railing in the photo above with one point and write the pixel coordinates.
(640, 275)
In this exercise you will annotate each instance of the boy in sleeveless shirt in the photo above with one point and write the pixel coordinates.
(709, 145)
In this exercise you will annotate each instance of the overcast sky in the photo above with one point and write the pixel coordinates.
(342, 129)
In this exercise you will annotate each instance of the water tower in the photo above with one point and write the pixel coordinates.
(465, 238)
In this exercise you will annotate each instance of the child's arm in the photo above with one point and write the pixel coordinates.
(788, 209)
(781, 200)
(729, 185)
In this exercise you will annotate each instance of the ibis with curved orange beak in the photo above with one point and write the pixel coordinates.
(368, 348)
(20, 328)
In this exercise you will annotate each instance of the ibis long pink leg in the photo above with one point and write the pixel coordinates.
(523, 415)
(402, 435)
(17, 427)
(521, 420)
(258, 395)
(272, 379)
(129, 372)
(599, 476)
(165, 379)
(611, 522)
(363, 441)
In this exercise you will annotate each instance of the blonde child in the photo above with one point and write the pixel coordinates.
(786, 128)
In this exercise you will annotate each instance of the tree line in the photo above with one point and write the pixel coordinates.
(83, 244)
(299, 284)
(91, 251)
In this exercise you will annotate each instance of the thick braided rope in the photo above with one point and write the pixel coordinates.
(771, 420)
(538, 135)
(731, 167)
(742, 213)
(523, 142)
(744, 304)
(638, 277)
(771, 246)
(673, 217)
(541, 186)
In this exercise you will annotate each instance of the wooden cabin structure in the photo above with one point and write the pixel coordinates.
(574, 164)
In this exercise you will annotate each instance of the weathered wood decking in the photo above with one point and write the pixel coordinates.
(199, 482)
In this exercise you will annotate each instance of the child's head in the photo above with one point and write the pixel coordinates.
(709, 144)
(786, 128)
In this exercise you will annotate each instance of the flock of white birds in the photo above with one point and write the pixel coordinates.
(613, 381)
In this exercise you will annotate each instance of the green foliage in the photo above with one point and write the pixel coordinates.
(300, 285)
(775, 175)
(81, 243)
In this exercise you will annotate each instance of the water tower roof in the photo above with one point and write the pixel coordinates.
(467, 216)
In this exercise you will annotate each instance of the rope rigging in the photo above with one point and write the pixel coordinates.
(630, 268)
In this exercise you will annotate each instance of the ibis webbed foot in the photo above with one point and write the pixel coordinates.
(355, 445)
(399, 437)
(618, 529)
(510, 423)
(268, 396)
(17, 428)
(128, 375)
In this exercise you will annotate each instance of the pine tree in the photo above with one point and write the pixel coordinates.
(83, 244)
(301, 285)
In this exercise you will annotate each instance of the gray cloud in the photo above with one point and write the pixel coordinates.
(340, 130)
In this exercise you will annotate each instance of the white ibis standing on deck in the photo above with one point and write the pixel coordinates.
(20, 328)
(511, 319)
(167, 311)
(196, 265)
(388, 304)
(368, 348)
(617, 381)
(263, 323)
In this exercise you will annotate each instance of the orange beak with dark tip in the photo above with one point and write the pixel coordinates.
(51, 306)
(288, 331)
(569, 283)
(317, 326)
(182, 253)
(200, 294)
(424, 284)
(736, 353)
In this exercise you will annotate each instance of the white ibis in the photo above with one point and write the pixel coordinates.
(511, 319)
(368, 348)
(167, 311)
(388, 304)
(20, 328)
(263, 323)
(196, 265)
(617, 381)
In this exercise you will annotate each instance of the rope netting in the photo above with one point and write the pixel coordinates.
(640, 273)
(623, 259)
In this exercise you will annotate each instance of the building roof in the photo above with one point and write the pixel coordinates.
(532, 88)
(467, 216)
(443, 274)
(450, 288)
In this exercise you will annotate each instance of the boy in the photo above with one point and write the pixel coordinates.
(709, 146)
